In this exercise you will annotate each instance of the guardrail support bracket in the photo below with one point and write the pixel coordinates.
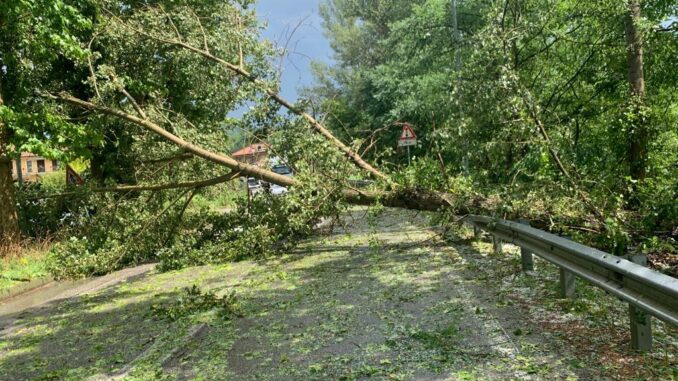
(567, 284)
(641, 329)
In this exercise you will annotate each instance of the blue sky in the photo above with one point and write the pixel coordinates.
(305, 44)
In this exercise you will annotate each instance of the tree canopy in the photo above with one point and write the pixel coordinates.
(545, 98)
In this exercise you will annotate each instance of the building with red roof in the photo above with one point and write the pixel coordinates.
(256, 154)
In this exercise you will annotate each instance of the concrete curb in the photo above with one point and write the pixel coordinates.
(24, 287)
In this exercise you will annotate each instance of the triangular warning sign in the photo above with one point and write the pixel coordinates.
(408, 133)
(72, 177)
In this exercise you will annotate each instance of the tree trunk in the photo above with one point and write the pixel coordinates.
(638, 132)
(9, 222)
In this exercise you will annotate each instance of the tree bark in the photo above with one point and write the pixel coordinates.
(638, 133)
(9, 222)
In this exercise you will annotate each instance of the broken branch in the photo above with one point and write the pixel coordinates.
(139, 188)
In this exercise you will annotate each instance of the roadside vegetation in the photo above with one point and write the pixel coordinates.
(28, 265)
(585, 146)
(561, 112)
(221, 198)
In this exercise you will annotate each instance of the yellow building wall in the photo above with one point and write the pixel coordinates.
(34, 174)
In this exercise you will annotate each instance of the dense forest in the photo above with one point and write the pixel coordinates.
(562, 112)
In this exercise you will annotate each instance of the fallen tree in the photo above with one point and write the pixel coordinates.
(395, 196)
(164, 110)
(399, 198)
(411, 199)
(241, 71)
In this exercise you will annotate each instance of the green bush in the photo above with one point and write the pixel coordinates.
(113, 232)
(41, 213)
(116, 230)
(121, 232)
(77, 257)
(658, 204)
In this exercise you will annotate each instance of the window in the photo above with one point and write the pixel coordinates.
(29, 166)
(55, 165)
(41, 166)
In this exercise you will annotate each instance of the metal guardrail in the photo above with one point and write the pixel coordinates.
(648, 292)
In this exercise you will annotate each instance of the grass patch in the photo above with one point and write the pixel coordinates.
(27, 265)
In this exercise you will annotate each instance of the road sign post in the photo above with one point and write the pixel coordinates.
(407, 138)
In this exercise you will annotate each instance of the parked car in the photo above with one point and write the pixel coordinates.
(281, 169)
(254, 186)
(277, 190)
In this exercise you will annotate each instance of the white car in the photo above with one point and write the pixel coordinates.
(281, 169)
(277, 190)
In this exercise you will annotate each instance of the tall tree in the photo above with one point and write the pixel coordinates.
(9, 225)
(638, 134)
(37, 48)
(541, 80)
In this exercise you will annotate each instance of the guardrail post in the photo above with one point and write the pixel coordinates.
(567, 282)
(641, 329)
(641, 323)
(526, 258)
(497, 244)
(639, 259)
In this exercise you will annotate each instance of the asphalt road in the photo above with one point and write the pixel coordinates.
(380, 298)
